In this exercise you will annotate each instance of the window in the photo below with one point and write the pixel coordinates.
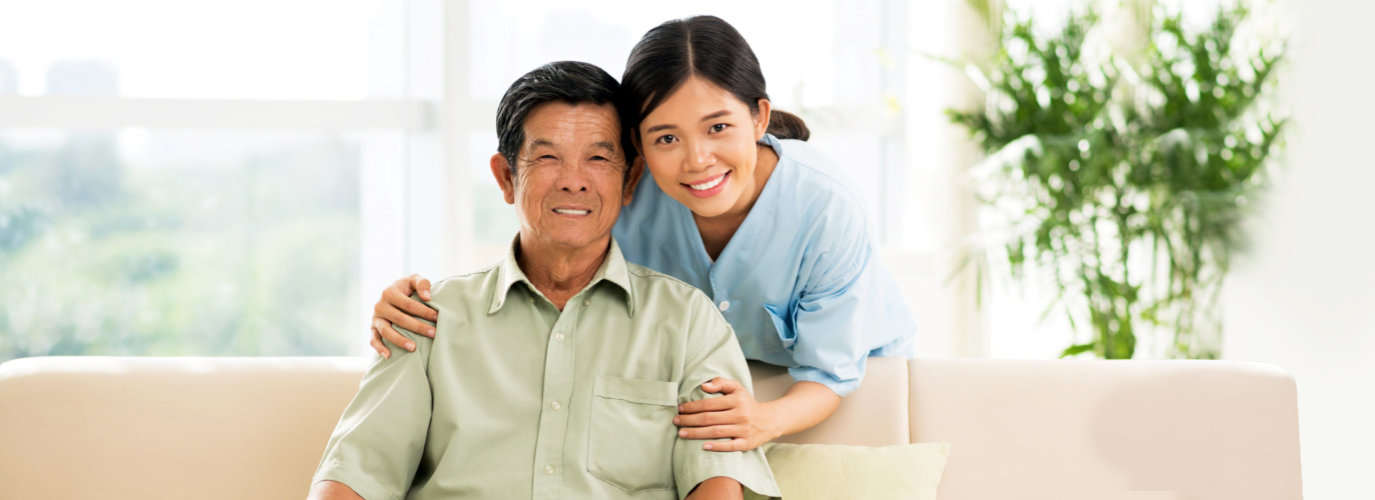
(181, 179)
(244, 179)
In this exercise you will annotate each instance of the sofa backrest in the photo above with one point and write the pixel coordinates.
(1109, 430)
(168, 428)
(210, 428)
(874, 415)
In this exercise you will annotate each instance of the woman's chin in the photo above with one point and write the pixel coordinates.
(709, 208)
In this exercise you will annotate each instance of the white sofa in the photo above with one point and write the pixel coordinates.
(210, 428)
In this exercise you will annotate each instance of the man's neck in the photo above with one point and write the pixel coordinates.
(559, 272)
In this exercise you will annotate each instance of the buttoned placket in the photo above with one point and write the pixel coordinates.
(558, 388)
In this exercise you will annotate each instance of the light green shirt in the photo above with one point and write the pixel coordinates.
(515, 399)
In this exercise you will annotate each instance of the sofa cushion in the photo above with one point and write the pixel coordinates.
(830, 471)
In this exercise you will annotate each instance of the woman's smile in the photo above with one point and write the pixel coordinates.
(709, 187)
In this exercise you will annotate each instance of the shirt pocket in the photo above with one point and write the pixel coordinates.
(632, 433)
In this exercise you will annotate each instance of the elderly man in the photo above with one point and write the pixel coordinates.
(557, 372)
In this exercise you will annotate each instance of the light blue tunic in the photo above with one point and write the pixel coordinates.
(801, 281)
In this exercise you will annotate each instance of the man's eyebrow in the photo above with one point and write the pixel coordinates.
(607, 145)
(535, 143)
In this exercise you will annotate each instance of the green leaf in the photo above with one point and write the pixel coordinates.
(1077, 349)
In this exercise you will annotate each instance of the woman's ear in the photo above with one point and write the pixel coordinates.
(761, 119)
(501, 170)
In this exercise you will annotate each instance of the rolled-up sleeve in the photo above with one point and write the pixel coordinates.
(848, 307)
(377, 445)
(714, 351)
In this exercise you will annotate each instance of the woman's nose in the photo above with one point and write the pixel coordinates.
(700, 156)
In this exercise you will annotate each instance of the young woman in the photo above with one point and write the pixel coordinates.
(743, 209)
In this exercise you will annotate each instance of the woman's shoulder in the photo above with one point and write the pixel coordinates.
(818, 184)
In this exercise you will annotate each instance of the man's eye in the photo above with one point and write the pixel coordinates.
(599, 158)
(666, 139)
(547, 157)
(719, 127)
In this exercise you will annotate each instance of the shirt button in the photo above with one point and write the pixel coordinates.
(586, 302)
(725, 305)
(531, 299)
(558, 337)
(555, 405)
(548, 469)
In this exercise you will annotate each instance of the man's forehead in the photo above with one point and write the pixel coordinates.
(558, 124)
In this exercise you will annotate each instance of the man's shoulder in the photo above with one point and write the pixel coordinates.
(656, 286)
(470, 286)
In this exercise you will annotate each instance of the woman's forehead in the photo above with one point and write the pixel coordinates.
(696, 98)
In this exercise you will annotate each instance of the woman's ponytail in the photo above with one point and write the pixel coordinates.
(785, 125)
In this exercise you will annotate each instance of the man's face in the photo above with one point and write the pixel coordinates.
(570, 177)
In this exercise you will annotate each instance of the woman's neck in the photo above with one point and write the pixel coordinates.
(717, 231)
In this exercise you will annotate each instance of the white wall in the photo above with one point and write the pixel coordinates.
(1304, 297)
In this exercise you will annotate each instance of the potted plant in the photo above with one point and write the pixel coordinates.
(1123, 171)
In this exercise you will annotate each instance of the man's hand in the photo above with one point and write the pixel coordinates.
(735, 415)
(397, 308)
(717, 488)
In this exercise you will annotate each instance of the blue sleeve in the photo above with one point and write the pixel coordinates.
(841, 312)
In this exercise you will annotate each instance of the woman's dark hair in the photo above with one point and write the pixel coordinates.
(569, 82)
(704, 46)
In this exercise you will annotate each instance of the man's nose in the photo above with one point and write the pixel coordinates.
(574, 180)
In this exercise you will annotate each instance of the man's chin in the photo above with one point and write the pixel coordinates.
(566, 241)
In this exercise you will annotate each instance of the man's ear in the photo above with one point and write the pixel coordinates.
(632, 179)
(761, 120)
(501, 170)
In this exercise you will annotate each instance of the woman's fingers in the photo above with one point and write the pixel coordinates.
(708, 404)
(398, 297)
(737, 444)
(393, 316)
(404, 286)
(376, 343)
(416, 308)
(392, 336)
(413, 324)
(706, 419)
(396, 307)
(723, 385)
(420, 285)
(713, 432)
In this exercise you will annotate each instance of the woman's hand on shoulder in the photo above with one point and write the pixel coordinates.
(396, 307)
(735, 415)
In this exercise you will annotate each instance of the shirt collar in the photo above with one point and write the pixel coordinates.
(614, 270)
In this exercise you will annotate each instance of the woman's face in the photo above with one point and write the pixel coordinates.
(700, 145)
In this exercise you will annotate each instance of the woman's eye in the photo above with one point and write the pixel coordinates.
(666, 139)
(718, 127)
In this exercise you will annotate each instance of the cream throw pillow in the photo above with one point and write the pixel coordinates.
(831, 471)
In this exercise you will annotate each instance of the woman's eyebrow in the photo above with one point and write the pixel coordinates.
(713, 116)
(657, 128)
(716, 115)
